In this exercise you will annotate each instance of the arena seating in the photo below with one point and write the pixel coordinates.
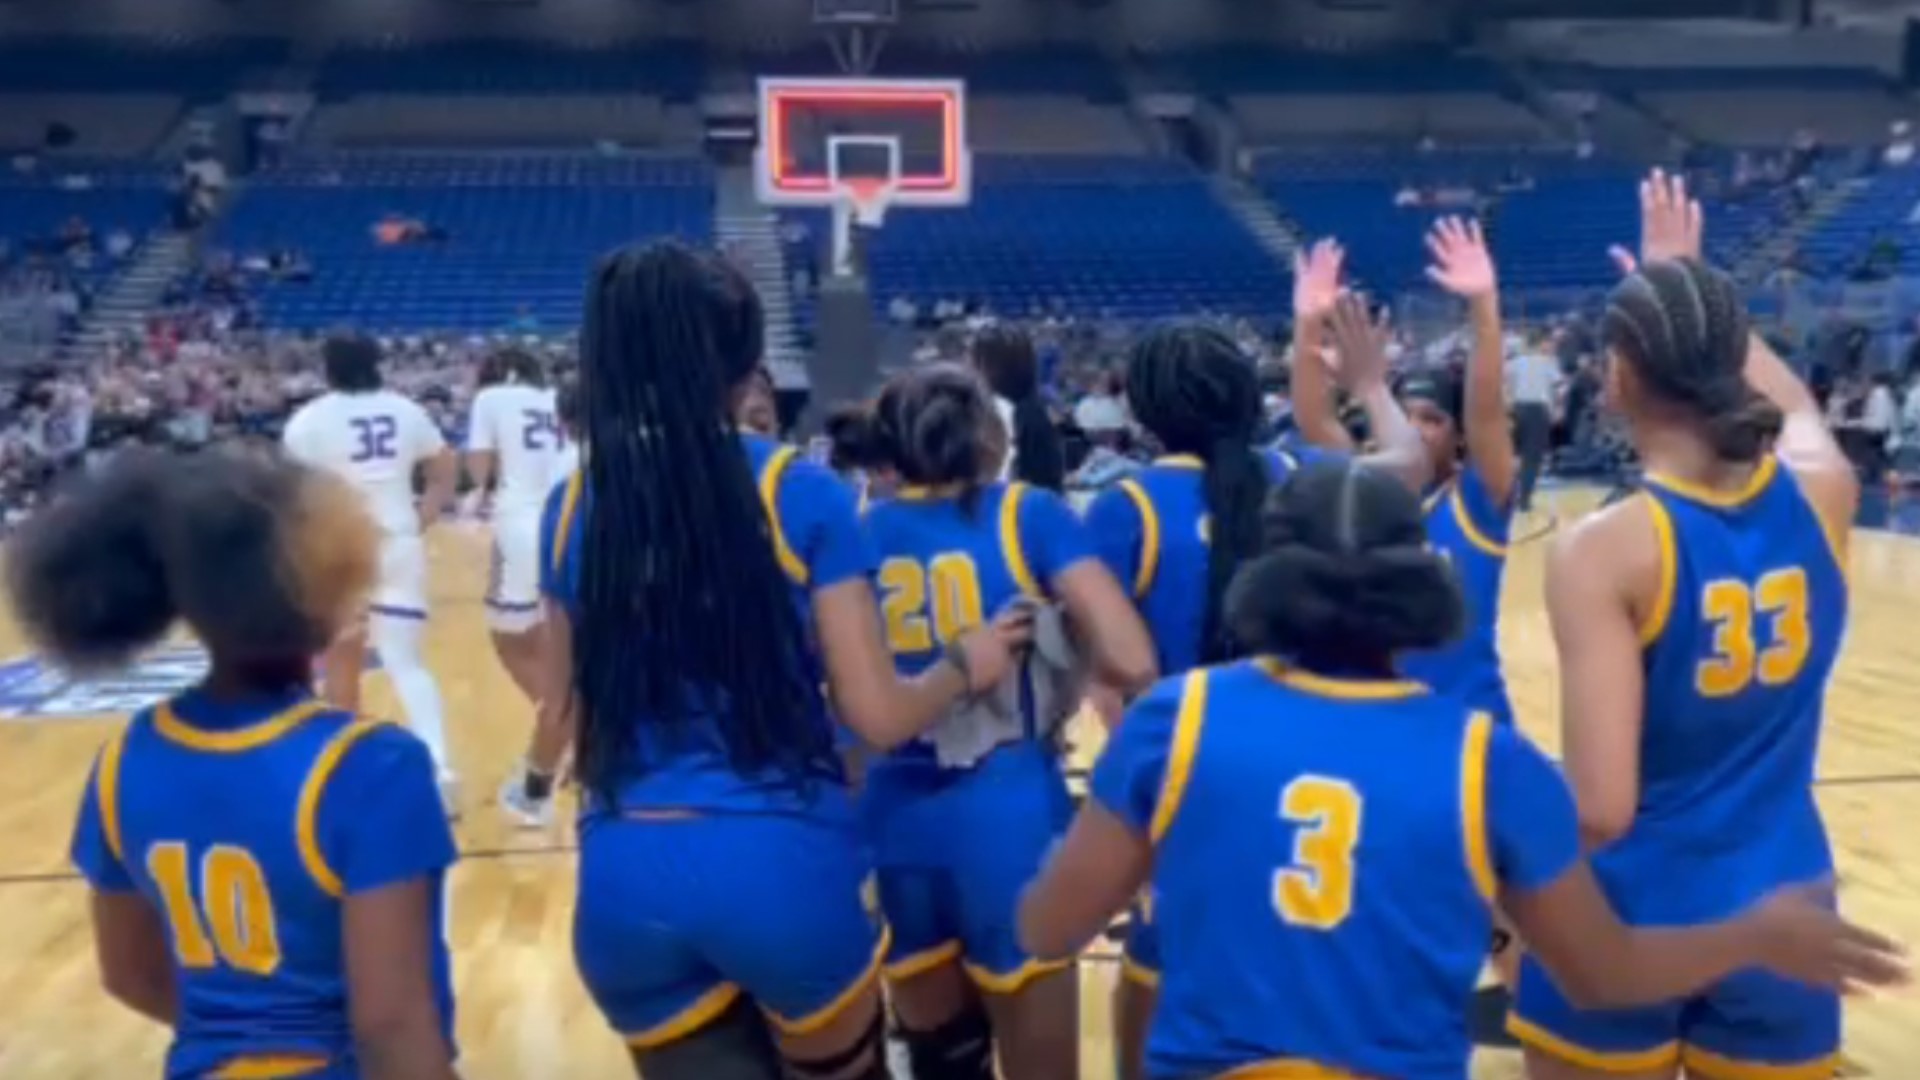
(1138, 237)
(1753, 106)
(522, 231)
(1550, 229)
(671, 70)
(1882, 208)
(107, 195)
(194, 68)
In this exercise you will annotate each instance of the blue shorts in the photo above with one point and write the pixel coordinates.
(677, 918)
(1749, 1024)
(955, 847)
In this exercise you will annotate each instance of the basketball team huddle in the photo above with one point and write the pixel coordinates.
(816, 714)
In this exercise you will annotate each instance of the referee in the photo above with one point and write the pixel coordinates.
(1532, 377)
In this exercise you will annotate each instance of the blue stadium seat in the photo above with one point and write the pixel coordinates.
(1136, 237)
(523, 232)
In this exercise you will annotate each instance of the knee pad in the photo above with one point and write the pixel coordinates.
(960, 1049)
(866, 1059)
(734, 1046)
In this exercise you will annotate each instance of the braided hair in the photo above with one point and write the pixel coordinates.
(1345, 578)
(1191, 387)
(683, 613)
(1682, 326)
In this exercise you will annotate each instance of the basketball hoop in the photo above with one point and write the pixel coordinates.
(867, 198)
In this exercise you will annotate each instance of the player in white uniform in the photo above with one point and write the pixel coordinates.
(527, 795)
(375, 438)
(514, 438)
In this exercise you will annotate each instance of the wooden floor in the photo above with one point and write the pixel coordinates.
(522, 1012)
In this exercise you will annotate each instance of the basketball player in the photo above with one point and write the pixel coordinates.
(266, 870)
(375, 438)
(1697, 622)
(527, 793)
(962, 818)
(513, 433)
(1177, 530)
(1326, 840)
(727, 920)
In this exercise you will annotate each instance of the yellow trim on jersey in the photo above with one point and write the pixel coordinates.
(270, 1067)
(1010, 548)
(1713, 1066)
(1343, 689)
(1763, 474)
(1633, 1061)
(1837, 536)
(1181, 461)
(1288, 1069)
(1473, 804)
(925, 960)
(563, 529)
(770, 474)
(1138, 973)
(1458, 503)
(1149, 537)
(306, 820)
(1655, 621)
(106, 787)
(927, 492)
(704, 1010)
(831, 1011)
(1016, 980)
(251, 737)
(1186, 742)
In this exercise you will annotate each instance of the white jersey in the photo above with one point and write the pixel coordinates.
(519, 425)
(373, 440)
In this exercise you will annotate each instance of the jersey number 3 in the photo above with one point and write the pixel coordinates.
(1316, 892)
(956, 605)
(1729, 606)
(233, 903)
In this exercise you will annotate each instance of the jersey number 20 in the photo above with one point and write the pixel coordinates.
(1729, 606)
(234, 905)
(1316, 891)
(956, 605)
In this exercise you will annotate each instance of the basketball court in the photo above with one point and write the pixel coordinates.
(855, 149)
(522, 1011)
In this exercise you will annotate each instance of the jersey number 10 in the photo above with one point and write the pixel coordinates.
(234, 904)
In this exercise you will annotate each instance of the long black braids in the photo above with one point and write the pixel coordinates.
(1191, 386)
(684, 613)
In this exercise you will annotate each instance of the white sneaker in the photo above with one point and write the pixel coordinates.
(527, 813)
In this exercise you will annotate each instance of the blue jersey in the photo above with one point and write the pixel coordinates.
(1747, 623)
(1465, 524)
(1151, 531)
(945, 568)
(1345, 925)
(245, 827)
(818, 541)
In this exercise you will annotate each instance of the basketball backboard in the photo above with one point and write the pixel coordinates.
(818, 137)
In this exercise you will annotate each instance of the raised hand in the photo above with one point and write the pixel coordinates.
(1316, 279)
(1671, 223)
(1359, 343)
(1461, 263)
(1802, 937)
